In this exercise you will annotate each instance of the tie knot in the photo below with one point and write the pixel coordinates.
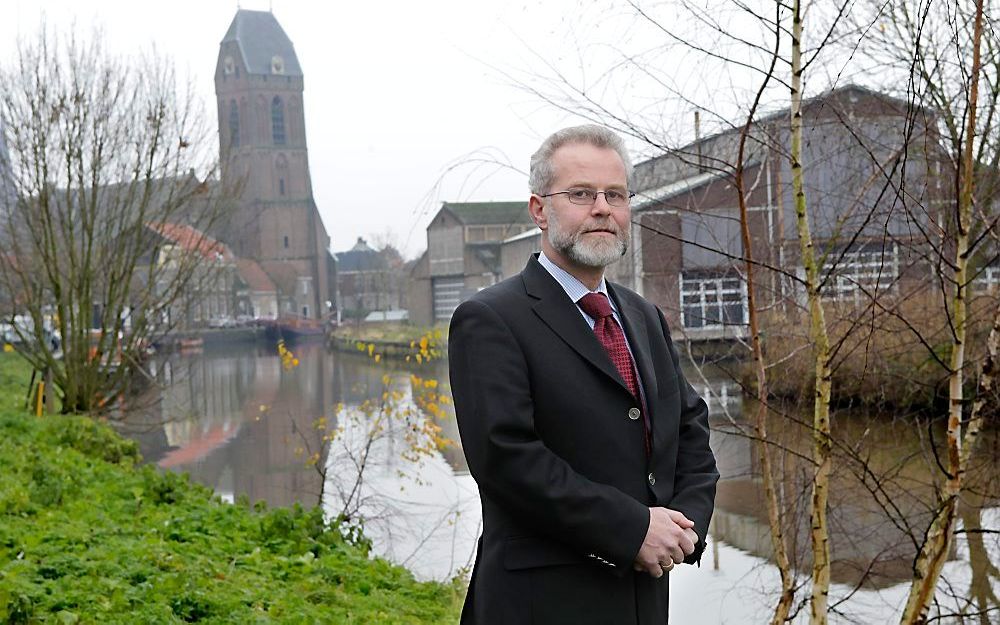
(596, 305)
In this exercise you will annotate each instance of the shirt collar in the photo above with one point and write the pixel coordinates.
(573, 287)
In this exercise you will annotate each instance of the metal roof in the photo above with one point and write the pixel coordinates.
(644, 199)
(527, 234)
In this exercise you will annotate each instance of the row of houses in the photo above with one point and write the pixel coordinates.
(228, 289)
(876, 178)
(879, 184)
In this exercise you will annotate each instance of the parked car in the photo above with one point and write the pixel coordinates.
(222, 322)
(8, 334)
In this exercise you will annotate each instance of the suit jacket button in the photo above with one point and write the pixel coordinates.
(652, 480)
(633, 413)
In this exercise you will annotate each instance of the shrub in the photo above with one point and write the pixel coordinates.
(879, 360)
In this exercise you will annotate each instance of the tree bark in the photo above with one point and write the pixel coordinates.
(778, 542)
(819, 529)
(934, 550)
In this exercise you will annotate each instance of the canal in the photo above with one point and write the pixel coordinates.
(364, 439)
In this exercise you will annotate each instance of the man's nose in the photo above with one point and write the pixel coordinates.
(601, 206)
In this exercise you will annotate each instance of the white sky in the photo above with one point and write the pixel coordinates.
(396, 91)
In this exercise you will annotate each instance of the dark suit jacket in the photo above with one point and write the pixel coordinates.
(564, 479)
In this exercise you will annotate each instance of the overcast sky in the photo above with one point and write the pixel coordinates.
(395, 92)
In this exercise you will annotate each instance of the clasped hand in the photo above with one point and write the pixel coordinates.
(669, 539)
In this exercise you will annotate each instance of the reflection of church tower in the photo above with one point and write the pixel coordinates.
(258, 85)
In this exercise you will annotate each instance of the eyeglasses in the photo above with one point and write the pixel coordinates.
(588, 197)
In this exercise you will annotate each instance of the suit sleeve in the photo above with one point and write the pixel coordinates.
(513, 467)
(696, 473)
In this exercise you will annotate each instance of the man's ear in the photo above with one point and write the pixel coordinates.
(536, 206)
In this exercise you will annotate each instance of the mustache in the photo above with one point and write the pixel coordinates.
(601, 227)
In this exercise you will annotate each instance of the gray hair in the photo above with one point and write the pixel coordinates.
(542, 172)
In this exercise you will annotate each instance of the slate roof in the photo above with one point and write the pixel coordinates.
(261, 38)
(487, 213)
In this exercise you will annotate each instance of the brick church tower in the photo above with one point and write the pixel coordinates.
(262, 141)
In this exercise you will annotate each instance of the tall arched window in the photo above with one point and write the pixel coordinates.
(234, 124)
(277, 121)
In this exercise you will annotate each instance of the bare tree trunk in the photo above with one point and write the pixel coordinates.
(102, 160)
(778, 542)
(934, 550)
(819, 530)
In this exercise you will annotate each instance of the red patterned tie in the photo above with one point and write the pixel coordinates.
(610, 334)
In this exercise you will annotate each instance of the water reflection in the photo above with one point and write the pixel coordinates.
(237, 421)
(882, 496)
(231, 419)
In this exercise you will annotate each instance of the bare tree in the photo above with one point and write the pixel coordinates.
(104, 156)
(884, 208)
(934, 550)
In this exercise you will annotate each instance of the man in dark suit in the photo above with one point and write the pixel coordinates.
(589, 447)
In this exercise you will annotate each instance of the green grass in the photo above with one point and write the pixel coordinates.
(89, 536)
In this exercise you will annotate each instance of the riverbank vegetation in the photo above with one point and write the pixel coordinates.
(886, 360)
(389, 332)
(89, 535)
(398, 340)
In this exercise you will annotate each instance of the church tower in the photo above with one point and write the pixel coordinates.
(262, 142)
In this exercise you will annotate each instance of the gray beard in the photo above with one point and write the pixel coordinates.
(597, 253)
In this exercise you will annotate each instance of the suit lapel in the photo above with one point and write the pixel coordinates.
(562, 316)
(638, 341)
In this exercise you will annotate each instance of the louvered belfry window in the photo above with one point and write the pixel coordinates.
(278, 121)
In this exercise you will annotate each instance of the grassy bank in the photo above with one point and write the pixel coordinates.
(391, 332)
(88, 536)
(393, 340)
